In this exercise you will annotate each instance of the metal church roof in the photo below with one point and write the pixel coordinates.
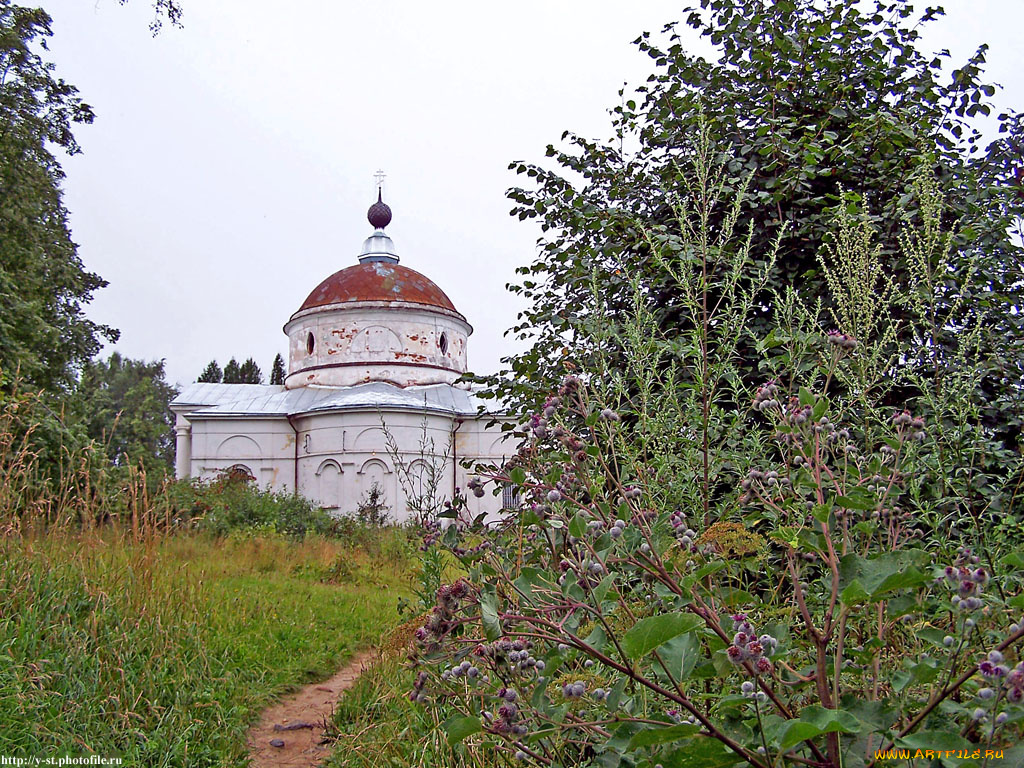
(258, 400)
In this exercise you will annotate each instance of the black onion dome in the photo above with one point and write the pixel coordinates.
(379, 214)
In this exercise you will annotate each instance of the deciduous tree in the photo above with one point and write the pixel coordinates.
(44, 286)
(126, 406)
(815, 106)
(163, 10)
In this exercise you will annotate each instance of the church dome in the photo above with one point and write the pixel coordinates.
(376, 321)
(377, 281)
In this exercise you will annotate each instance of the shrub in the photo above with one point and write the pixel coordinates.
(232, 501)
(824, 625)
(712, 573)
(372, 510)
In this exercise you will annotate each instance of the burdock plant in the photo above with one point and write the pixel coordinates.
(713, 571)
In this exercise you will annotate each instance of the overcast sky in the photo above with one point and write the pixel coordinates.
(231, 162)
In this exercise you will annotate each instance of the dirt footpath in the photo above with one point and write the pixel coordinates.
(289, 732)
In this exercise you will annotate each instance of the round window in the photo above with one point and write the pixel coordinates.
(443, 344)
(310, 344)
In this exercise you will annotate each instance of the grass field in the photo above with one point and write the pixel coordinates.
(375, 723)
(163, 652)
(378, 727)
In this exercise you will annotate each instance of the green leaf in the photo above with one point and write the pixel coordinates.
(528, 579)
(661, 735)
(880, 575)
(821, 512)
(924, 672)
(1014, 560)
(517, 475)
(806, 397)
(489, 614)
(934, 740)
(615, 696)
(820, 407)
(578, 526)
(601, 590)
(707, 570)
(597, 638)
(458, 728)
(681, 655)
(647, 634)
(789, 535)
(859, 499)
(933, 636)
(907, 579)
(701, 752)
(813, 722)
(854, 594)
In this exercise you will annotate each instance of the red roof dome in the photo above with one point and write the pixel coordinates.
(377, 281)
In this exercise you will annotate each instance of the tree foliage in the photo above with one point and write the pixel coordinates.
(163, 10)
(240, 373)
(44, 333)
(212, 374)
(232, 372)
(126, 406)
(248, 373)
(277, 371)
(815, 107)
(56, 397)
(711, 572)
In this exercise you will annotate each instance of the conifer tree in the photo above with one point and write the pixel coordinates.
(232, 372)
(249, 373)
(277, 372)
(212, 374)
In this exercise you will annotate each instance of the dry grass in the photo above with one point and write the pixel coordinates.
(122, 633)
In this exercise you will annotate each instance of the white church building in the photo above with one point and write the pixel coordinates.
(371, 397)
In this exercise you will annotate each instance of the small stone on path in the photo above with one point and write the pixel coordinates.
(277, 743)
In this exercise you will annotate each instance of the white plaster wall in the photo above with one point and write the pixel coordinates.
(376, 341)
(264, 446)
(486, 446)
(342, 454)
(355, 443)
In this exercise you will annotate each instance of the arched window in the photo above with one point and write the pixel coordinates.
(329, 481)
(239, 473)
(376, 472)
(310, 343)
